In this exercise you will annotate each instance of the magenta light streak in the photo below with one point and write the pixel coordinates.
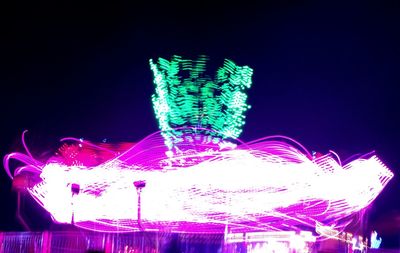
(203, 185)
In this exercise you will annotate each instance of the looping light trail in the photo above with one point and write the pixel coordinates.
(186, 97)
(195, 175)
(206, 185)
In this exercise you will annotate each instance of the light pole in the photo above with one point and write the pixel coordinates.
(75, 189)
(139, 185)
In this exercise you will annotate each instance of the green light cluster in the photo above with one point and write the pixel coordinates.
(186, 97)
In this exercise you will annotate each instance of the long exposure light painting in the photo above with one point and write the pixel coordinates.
(192, 177)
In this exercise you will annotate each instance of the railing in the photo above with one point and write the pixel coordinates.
(86, 242)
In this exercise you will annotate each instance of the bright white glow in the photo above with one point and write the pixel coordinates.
(272, 242)
(266, 185)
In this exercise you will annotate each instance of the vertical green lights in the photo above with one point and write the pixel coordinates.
(186, 97)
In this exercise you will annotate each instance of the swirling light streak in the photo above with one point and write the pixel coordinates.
(185, 96)
(266, 185)
(198, 176)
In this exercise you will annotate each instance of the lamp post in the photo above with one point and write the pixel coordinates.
(139, 185)
(75, 189)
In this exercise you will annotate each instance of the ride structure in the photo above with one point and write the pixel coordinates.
(195, 175)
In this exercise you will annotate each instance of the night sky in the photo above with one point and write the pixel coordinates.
(325, 74)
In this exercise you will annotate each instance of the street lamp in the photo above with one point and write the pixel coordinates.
(139, 185)
(75, 189)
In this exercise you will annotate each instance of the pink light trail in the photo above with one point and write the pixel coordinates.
(204, 184)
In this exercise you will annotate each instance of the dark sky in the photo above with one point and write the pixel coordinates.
(325, 74)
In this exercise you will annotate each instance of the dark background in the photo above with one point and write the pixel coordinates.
(326, 73)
